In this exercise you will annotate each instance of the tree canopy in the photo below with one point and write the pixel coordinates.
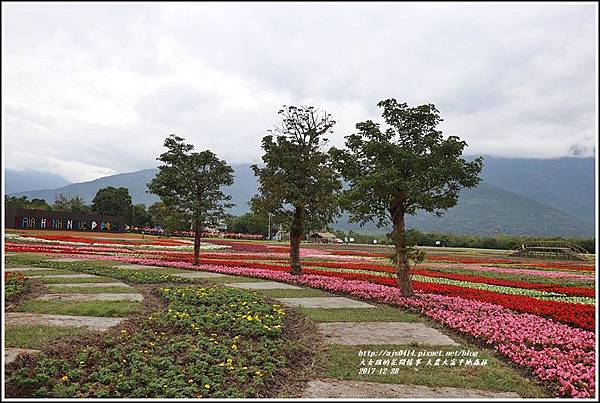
(112, 201)
(405, 167)
(189, 184)
(298, 182)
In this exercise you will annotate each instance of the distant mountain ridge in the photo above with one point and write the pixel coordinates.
(517, 197)
(22, 181)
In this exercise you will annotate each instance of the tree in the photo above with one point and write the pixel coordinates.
(189, 183)
(112, 201)
(77, 205)
(167, 219)
(298, 183)
(61, 203)
(409, 166)
(248, 223)
(24, 202)
(140, 216)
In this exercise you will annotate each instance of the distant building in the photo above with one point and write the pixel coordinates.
(324, 237)
(19, 218)
(281, 235)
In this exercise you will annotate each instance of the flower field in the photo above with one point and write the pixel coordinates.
(539, 315)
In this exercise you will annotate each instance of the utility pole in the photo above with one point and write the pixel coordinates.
(270, 226)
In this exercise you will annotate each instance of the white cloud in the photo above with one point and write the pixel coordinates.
(91, 89)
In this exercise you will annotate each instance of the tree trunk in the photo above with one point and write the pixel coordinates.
(402, 265)
(197, 235)
(296, 232)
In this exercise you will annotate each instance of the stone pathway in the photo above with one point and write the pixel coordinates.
(199, 274)
(26, 269)
(135, 267)
(78, 275)
(118, 284)
(325, 302)
(93, 297)
(67, 259)
(333, 388)
(265, 285)
(11, 353)
(92, 322)
(354, 333)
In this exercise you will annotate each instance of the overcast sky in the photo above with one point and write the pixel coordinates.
(93, 89)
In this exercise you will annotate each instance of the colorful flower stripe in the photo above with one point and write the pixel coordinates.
(567, 290)
(554, 352)
(579, 315)
(531, 272)
(550, 296)
(564, 312)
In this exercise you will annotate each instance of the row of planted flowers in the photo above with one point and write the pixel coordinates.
(571, 305)
(557, 353)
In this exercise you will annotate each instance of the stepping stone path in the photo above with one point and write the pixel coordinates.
(78, 275)
(94, 323)
(333, 388)
(119, 284)
(135, 267)
(325, 302)
(93, 297)
(265, 285)
(199, 274)
(26, 269)
(354, 333)
(67, 259)
(11, 353)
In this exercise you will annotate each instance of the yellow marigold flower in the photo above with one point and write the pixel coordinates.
(190, 381)
(207, 386)
(64, 378)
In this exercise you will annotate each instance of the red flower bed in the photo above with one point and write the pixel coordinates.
(580, 315)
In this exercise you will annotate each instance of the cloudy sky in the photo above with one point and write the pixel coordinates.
(93, 89)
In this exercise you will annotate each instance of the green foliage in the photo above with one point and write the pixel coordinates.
(202, 345)
(298, 183)
(62, 203)
(81, 308)
(167, 219)
(490, 242)
(36, 336)
(112, 201)
(408, 166)
(14, 285)
(140, 217)
(249, 223)
(189, 184)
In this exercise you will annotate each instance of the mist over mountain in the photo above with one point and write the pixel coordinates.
(517, 197)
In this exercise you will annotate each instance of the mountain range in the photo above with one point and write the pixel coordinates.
(550, 197)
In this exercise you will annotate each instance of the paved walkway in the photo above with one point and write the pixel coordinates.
(93, 297)
(26, 269)
(265, 285)
(67, 259)
(199, 274)
(93, 285)
(334, 388)
(324, 302)
(134, 267)
(355, 333)
(78, 275)
(92, 322)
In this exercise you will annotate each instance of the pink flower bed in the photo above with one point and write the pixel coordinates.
(554, 352)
